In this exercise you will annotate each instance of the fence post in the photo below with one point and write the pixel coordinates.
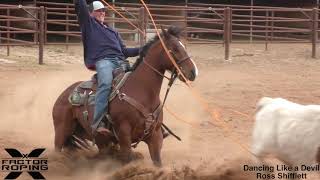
(230, 20)
(251, 21)
(8, 34)
(145, 24)
(41, 34)
(45, 25)
(227, 33)
(141, 25)
(143, 20)
(36, 26)
(185, 14)
(267, 30)
(67, 27)
(272, 24)
(314, 32)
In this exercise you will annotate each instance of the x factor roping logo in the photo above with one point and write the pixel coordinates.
(19, 163)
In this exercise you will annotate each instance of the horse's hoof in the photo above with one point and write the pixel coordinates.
(157, 164)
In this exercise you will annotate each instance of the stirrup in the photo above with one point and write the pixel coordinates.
(104, 131)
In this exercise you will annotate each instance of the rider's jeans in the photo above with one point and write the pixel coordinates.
(104, 70)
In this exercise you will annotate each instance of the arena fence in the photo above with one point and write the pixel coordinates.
(56, 23)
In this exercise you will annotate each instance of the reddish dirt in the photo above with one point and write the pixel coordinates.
(225, 91)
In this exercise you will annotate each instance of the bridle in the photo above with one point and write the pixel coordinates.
(179, 61)
(174, 70)
(155, 114)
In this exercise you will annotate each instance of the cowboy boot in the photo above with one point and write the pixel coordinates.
(102, 130)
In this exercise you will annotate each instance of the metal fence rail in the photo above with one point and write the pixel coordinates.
(56, 23)
(61, 21)
(17, 30)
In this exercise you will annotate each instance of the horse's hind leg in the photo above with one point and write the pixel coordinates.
(64, 125)
(63, 120)
(59, 138)
(155, 145)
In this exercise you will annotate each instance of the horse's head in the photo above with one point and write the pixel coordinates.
(179, 53)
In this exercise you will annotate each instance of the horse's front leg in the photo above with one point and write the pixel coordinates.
(155, 145)
(125, 143)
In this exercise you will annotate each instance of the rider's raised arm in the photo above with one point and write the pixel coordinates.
(128, 52)
(82, 11)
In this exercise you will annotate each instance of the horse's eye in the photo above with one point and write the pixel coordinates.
(175, 49)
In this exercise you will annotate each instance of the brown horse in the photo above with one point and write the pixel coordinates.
(137, 110)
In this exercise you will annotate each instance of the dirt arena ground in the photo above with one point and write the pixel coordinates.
(209, 150)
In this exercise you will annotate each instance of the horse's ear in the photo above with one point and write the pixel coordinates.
(164, 32)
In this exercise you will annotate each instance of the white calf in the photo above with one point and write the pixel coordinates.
(287, 130)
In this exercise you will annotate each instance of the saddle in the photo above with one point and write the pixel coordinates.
(84, 93)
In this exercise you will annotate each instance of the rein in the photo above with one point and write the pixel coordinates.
(155, 70)
(173, 77)
(158, 110)
(152, 118)
(174, 71)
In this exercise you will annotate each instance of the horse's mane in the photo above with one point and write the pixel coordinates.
(172, 30)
